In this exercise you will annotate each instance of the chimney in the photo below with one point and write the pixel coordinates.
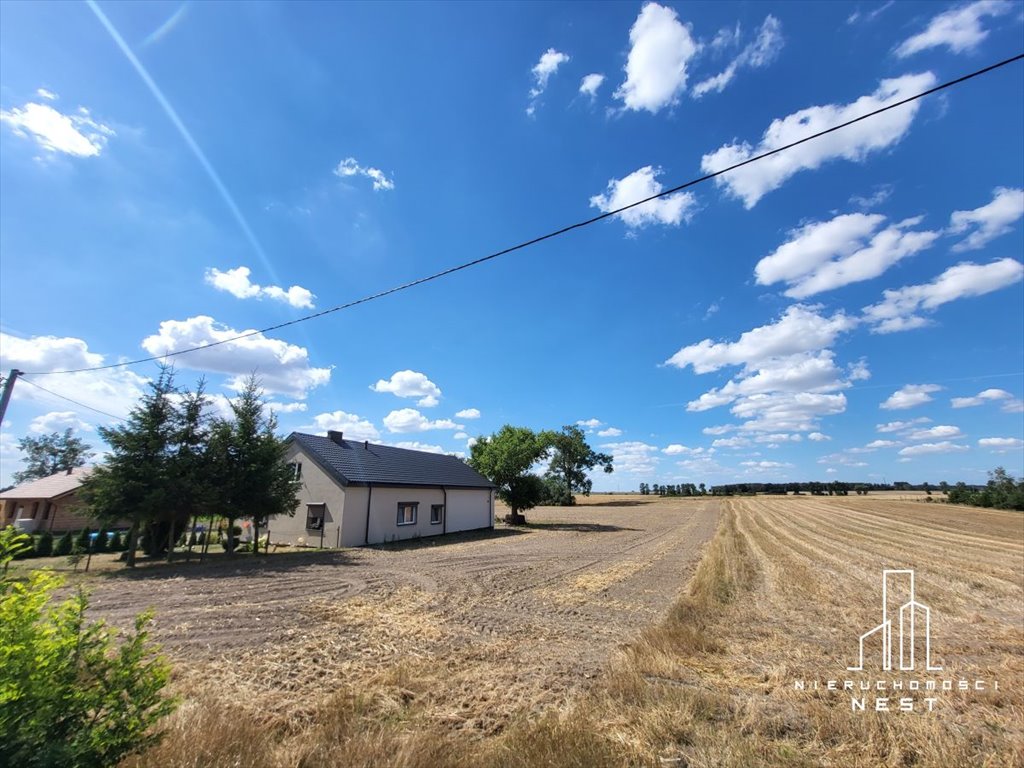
(366, 444)
(70, 470)
(335, 437)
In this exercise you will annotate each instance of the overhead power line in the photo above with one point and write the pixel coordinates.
(64, 397)
(549, 235)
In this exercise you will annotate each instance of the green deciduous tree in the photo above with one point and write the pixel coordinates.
(50, 454)
(505, 458)
(572, 458)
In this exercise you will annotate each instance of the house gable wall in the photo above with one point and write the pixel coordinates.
(316, 487)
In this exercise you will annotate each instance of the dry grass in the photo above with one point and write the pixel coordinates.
(782, 593)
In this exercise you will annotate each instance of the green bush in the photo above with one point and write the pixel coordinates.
(64, 545)
(44, 544)
(116, 542)
(101, 543)
(70, 694)
(82, 539)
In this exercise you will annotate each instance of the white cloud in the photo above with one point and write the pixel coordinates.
(236, 282)
(610, 432)
(43, 93)
(281, 367)
(985, 396)
(676, 450)
(854, 143)
(800, 329)
(590, 423)
(460, 436)
(731, 442)
(866, 18)
(897, 311)
(925, 449)
(779, 437)
(876, 444)
(351, 167)
(722, 429)
(542, 71)
(818, 437)
(75, 134)
(935, 433)
(661, 48)
(468, 413)
(415, 445)
(822, 256)
(639, 185)
(411, 420)
(761, 465)
(881, 193)
(590, 84)
(410, 384)
(989, 221)
(959, 29)
(910, 396)
(114, 391)
(1001, 444)
(286, 407)
(759, 53)
(633, 457)
(58, 421)
(899, 426)
(353, 427)
(471, 442)
(787, 411)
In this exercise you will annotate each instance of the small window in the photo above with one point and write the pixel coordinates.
(296, 468)
(35, 510)
(407, 512)
(46, 511)
(315, 517)
(436, 513)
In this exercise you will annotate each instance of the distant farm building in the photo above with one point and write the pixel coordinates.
(48, 504)
(354, 492)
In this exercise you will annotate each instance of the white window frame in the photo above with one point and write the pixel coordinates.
(440, 516)
(296, 467)
(316, 512)
(402, 505)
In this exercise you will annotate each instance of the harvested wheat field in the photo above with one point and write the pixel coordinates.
(571, 643)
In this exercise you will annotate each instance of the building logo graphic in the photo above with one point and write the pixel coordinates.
(907, 619)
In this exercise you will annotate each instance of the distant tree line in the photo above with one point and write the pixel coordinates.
(682, 489)
(1001, 492)
(508, 457)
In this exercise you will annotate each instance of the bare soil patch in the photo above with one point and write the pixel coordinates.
(477, 628)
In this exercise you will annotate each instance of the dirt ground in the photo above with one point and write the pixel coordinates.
(492, 624)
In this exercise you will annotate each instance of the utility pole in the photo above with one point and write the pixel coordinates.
(8, 389)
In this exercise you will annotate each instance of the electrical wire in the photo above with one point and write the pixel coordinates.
(63, 397)
(549, 235)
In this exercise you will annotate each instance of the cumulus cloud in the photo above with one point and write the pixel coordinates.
(75, 134)
(850, 248)
(114, 391)
(351, 167)
(876, 444)
(985, 396)
(237, 283)
(590, 423)
(818, 437)
(761, 52)
(925, 449)
(281, 367)
(989, 221)
(854, 143)
(411, 420)
(610, 432)
(935, 433)
(58, 421)
(898, 310)
(415, 445)
(411, 384)
(542, 71)
(959, 29)
(633, 457)
(1001, 444)
(900, 426)
(731, 442)
(910, 396)
(656, 68)
(468, 413)
(639, 185)
(800, 329)
(353, 427)
(590, 83)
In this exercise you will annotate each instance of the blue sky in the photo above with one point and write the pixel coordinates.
(172, 174)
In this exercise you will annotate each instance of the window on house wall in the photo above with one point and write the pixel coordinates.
(296, 468)
(407, 512)
(315, 514)
(46, 511)
(436, 513)
(35, 510)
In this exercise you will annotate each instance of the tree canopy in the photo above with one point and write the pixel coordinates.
(505, 458)
(49, 454)
(572, 458)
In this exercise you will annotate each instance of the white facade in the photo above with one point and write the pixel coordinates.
(356, 515)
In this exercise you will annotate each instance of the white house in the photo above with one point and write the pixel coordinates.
(354, 492)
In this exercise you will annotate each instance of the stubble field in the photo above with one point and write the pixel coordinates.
(594, 638)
